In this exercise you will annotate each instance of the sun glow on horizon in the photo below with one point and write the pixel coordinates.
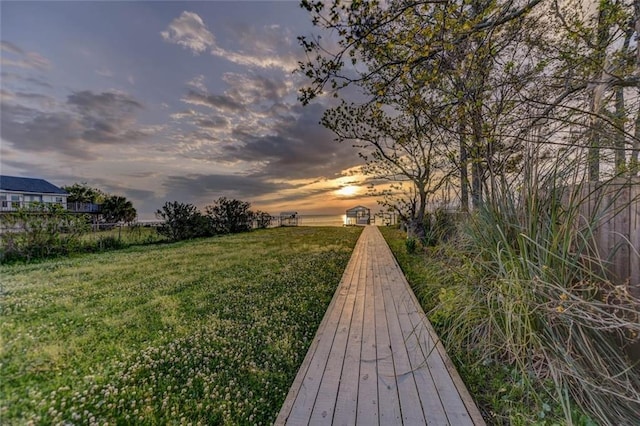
(348, 191)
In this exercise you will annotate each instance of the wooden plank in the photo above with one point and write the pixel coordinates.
(389, 411)
(440, 396)
(604, 240)
(372, 360)
(450, 389)
(432, 392)
(471, 408)
(410, 405)
(325, 402)
(303, 391)
(367, 413)
(347, 400)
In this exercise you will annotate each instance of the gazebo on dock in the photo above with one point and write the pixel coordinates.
(288, 218)
(358, 215)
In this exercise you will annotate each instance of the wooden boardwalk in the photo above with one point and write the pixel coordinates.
(374, 359)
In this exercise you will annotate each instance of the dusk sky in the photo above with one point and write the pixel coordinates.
(164, 101)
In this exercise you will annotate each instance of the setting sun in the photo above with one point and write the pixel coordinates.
(347, 191)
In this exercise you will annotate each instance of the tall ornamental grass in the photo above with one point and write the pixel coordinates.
(538, 299)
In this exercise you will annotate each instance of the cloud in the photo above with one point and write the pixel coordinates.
(257, 126)
(138, 194)
(209, 187)
(212, 123)
(141, 174)
(103, 103)
(7, 46)
(33, 130)
(43, 101)
(86, 119)
(10, 76)
(256, 59)
(253, 88)
(197, 82)
(219, 102)
(190, 32)
(116, 188)
(107, 117)
(246, 91)
(22, 59)
(270, 46)
(6, 95)
(296, 149)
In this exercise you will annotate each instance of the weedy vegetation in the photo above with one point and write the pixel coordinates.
(210, 331)
(524, 306)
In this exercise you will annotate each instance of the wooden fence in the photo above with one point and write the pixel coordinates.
(614, 208)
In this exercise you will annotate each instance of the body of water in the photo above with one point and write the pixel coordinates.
(321, 220)
(339, 220)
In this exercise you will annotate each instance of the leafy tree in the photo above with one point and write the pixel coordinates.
(434, 106)
(182, 221)
(229, 216)
(593, 84)
(83, 193)
(397, 148)
(116, 208)
(434, 62)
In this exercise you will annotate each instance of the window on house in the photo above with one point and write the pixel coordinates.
(3, 201)
(15, 201)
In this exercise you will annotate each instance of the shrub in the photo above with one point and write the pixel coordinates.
(182, 221)
(439, 227)
(444, 225)
(229, 216)
(411, 244)
(42, 230)
(430, 237)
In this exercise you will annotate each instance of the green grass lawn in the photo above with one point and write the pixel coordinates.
(210, 331)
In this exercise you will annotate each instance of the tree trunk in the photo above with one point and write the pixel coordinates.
(477, 173)
(593, 157)
(416, 225)
(597, 95)
(619, 118)
(464, 177)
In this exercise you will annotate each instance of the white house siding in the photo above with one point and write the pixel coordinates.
(11, 201)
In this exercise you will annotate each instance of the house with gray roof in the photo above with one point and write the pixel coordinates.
(16, 192)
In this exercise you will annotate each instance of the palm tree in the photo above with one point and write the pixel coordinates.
(117, 208)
